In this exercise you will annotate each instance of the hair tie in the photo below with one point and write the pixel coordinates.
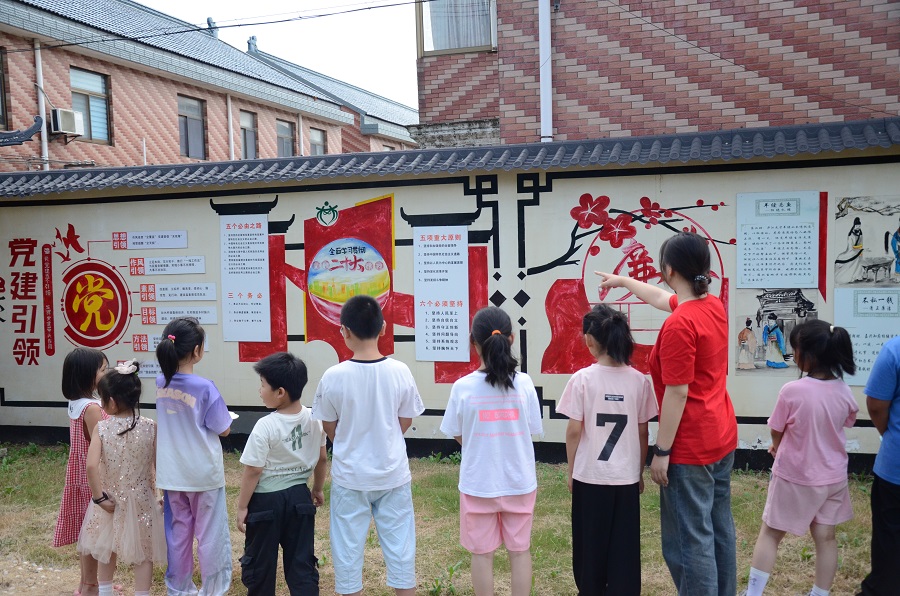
(496, 332)
(701, 278)
(831, 328)
(172, 337)
(127, 368)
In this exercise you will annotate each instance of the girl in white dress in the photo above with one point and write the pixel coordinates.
(124, 522)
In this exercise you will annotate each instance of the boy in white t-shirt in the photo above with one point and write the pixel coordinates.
(365, 405)
(275, 506)
(608, 404)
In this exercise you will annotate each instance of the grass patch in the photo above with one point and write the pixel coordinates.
(31, 480)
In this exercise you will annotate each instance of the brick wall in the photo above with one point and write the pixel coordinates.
(667, 66)
(458, 87)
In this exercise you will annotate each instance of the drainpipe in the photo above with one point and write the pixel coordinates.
(42, 109)
(300, 133)
(546, 71)
(230, 129)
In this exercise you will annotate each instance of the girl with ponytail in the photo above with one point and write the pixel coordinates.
(492, 412)
(191, 416)
(808, 490)
(609, 404)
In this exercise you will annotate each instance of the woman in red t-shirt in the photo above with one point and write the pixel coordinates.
(694, 450)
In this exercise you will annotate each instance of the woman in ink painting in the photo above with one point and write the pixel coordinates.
(848, 264)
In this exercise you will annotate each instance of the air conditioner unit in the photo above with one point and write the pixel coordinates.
(67, 122)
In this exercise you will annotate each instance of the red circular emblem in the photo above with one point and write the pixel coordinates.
(96, 304)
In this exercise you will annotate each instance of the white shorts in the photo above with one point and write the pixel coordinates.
(351, 511)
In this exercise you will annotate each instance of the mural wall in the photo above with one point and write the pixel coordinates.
(269, 270)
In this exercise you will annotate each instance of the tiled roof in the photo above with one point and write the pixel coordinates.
(128, 19)
(724, 146)
(360, 99)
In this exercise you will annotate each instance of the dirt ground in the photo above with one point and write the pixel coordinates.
(18, 576)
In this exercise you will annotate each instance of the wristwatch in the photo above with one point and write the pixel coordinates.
(99, 500)
(657, 450)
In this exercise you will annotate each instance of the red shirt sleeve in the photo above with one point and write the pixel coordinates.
(677, 351)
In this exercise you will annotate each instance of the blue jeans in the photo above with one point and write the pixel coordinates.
(698, 541)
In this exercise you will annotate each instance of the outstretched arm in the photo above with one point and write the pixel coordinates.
(652, 295)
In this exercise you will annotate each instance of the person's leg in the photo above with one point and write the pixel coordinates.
(520, 570)
(350, 517)
(885, 557)
(260, 560)
(766, 549)
(213, 541)
(622, 542)
(179, 522)
(105, 573)
(592, 522)
(298, 541)
(826, 554)
(723, 526)
(143, 576)
(396, 525)
(688, 539)
(483, 574)
(88, 573)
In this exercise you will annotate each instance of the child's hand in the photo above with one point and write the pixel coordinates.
(569, 482)
(641, 485)
(773, 450)
(109, 505)
(241, 520)
(318, 497)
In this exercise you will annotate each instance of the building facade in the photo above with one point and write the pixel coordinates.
(143, 98)
(617, 69)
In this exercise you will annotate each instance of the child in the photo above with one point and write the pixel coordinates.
(191, 416)
(808, 488)
(275, 506)
(608, 405)
(365, 405)
(125, 522)
(492, 412)
(82, 370)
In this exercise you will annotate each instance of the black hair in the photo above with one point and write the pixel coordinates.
(688, 255)
(179, 340)
(362, 316)
(748, 322)
(79, 372)
(610, 328)
(772, 316)
(491, 332)
(285, 370)
(823, 348)
(124, 390)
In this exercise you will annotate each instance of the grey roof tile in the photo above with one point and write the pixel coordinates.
(789, 141)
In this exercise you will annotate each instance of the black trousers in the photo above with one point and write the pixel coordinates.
(606, 539)
(884, 579)
(286, 517)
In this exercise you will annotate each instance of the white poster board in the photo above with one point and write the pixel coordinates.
(777, 239)
(441, 261)
(872, 317)
(245, 277)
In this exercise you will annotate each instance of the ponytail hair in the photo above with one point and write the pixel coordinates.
(688, 255)
(823, 348)
(179, 340)
(122, 386)
(491, 332)
(609, 328)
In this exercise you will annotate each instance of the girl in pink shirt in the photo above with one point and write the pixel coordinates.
(808, 489)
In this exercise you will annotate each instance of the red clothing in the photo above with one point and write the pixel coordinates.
(692, 349)
(77, 492)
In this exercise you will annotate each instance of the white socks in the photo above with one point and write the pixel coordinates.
(105, 589)
(757, 583)
(817, 591)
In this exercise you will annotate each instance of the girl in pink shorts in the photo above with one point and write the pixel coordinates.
(492, 413)
(808, 489)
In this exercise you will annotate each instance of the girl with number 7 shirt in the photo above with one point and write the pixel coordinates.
(608, 404)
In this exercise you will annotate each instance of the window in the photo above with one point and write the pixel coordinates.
(388, 148)
(285, 132)
(191, 127)
(457, 24)
(89, 96)
(248, 135)
(318, 142)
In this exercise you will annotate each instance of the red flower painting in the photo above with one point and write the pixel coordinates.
(616, 231)
(590, 211)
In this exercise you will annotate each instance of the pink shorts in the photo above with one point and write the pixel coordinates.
(486, 523)
(794, 507)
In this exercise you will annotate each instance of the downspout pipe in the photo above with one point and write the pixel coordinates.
(42, 108)
(546, 71)
(230, 128)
